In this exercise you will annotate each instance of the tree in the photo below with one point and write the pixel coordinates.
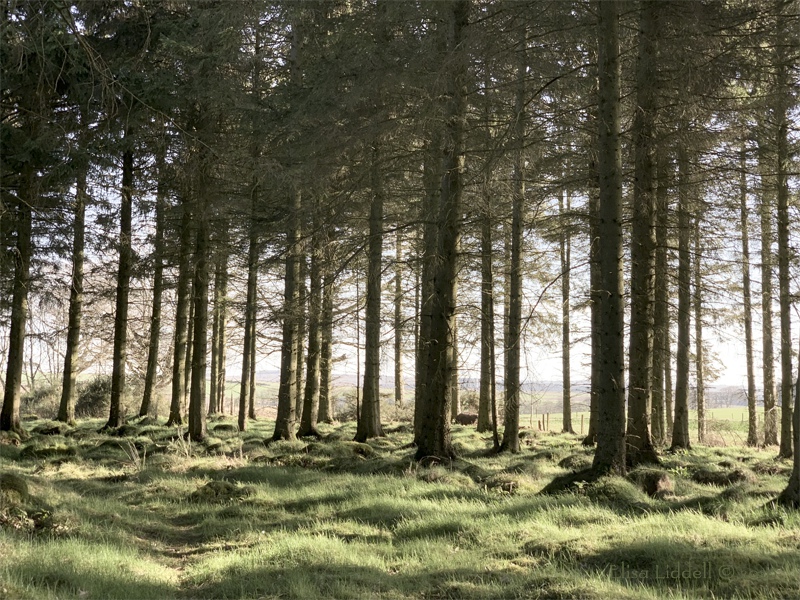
(610, 452)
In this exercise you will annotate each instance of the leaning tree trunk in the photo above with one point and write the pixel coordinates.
(66, 410)
(699, 357)
(434, 424)
(639, 444)
(752, 418)
(287, 390)
(513, 348)
(120, 355)
(680, 426)
(325, 414)
(564, 253)
(158, 292)
(610, 452)
(9, 416)
(369, 421)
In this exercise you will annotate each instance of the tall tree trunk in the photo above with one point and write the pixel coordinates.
(218, 331)
(23, 250)
(595, 297)
(699, 356)
(513, 348)
(752, 418)
(251, 396)
(369, 421)
(455, 395)
(791, 495)
(767, 353)
(564, 253)
(249, 315)
(311, 395)
(430, 209)
(158, 291)
(187, 367)
(610, 452)
(183, 294)
(399, 391)
(326, 351)
(639, 444)
(783, 99)
(302, 321)
(680, 427)
(487, 410)
(66, 410)
(197, 396)
(434, 431)
(287, 390)
(120, 355)
(661, 363)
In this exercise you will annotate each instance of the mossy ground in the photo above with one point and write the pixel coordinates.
(151, 515)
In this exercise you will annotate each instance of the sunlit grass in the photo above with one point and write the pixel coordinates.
(235, 517)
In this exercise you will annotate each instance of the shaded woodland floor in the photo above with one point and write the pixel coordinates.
(147, 514)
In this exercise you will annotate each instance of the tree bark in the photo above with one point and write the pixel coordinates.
(752, 418)
(513, 348)
(249, 315)
(287, 391)
(639, 444)
(680, 427)
(66, 410)
(610, 452)
(699, 356)
(197, 396)
(767, 352)
(311, 394)
(434, 431)
(399, 391)
(158, 291)
(218, 336)
(326, 414)
(369, 421)
(661, 362)
(302, 322)
(23, 250)
(120, 355)
(595, 298)
(564, 253)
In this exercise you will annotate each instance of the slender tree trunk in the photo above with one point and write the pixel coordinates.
(513, 350)
(120, 355)
(251, 396)
(23, 250)
(218, 332)
(595, 298)
(767, 354)
(187, 367)
(487, 325)
(249, 315)
(610, 452)
(752, 418)
(434, 431)
(564, 252)
(455, 395)
(326, 351)
(311, 395)
(369, 421)
(66, 410)
(287, 391)
(181, 321)
(784, 250)
(791, 495)
(398, 321)
(699, 356)
(151, 373)
(680, 428)
(302, 322)
(197, 396)
(658, 413)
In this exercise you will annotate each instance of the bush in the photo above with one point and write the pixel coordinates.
(94, 398)
(42, 402)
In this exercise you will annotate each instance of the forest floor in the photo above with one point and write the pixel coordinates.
(147, 514)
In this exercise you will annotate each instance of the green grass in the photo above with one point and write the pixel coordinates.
(234, 518)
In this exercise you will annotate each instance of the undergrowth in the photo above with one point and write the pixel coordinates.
(148, 514)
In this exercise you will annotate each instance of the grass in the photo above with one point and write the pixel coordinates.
(85, 515)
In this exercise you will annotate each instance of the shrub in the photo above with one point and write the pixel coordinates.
(94, 398)
(42, 401)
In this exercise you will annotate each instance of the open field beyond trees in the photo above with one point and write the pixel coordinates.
(149, 514)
